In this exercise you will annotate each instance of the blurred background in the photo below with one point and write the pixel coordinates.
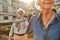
(8, 10)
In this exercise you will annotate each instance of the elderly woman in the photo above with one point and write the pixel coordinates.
(45, 25)
(19, 27)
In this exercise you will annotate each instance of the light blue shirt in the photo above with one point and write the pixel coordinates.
(36, 26)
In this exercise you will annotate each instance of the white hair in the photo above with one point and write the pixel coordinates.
(36, 4)
(20, 9)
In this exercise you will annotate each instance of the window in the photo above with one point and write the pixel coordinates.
(14, 17)
(4, 2)
(5, 9)
(5, 18)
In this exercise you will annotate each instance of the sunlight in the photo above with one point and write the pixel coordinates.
(27, 1)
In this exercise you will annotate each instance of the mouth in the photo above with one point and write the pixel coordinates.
(48, 4)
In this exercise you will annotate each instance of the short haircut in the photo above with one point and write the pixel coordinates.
(36, 4)
(20, 9)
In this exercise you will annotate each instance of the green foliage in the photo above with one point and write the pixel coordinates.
(6, 30)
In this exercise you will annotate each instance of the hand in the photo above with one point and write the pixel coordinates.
(10, 38)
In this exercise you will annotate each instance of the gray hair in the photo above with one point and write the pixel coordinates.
(36, 4)
(20, 9)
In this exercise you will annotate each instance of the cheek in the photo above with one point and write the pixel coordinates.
(41, 3)
(53, 4)
(38, 3)
(19, 15)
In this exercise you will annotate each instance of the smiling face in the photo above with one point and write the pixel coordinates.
(45, 4)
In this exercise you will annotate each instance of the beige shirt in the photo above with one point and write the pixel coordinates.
(22, 27)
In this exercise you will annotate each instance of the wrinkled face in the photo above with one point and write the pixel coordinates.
(20, 14)
(46, 4)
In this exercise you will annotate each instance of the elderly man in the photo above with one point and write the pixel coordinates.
(45, 25)
(19, 26)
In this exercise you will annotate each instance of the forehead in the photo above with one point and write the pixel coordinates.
(20, 11)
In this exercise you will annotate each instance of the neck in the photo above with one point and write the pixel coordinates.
(47, 16)
(46, 13)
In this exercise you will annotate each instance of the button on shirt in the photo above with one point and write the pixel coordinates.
(22, 27)
(36, 26)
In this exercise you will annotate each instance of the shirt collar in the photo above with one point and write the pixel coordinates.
(55, 20)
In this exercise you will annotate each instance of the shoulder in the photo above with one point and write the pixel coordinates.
(58, 15)
(25, 19)
(34, 17)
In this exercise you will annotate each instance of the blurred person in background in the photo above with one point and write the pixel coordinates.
(19, 27)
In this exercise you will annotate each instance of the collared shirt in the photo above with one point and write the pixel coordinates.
(22, 28)
(36, 26)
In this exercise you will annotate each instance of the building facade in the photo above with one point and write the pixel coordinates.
(57, 5)
(8, 9)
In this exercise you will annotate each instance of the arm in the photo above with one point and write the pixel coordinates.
(11, 32)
